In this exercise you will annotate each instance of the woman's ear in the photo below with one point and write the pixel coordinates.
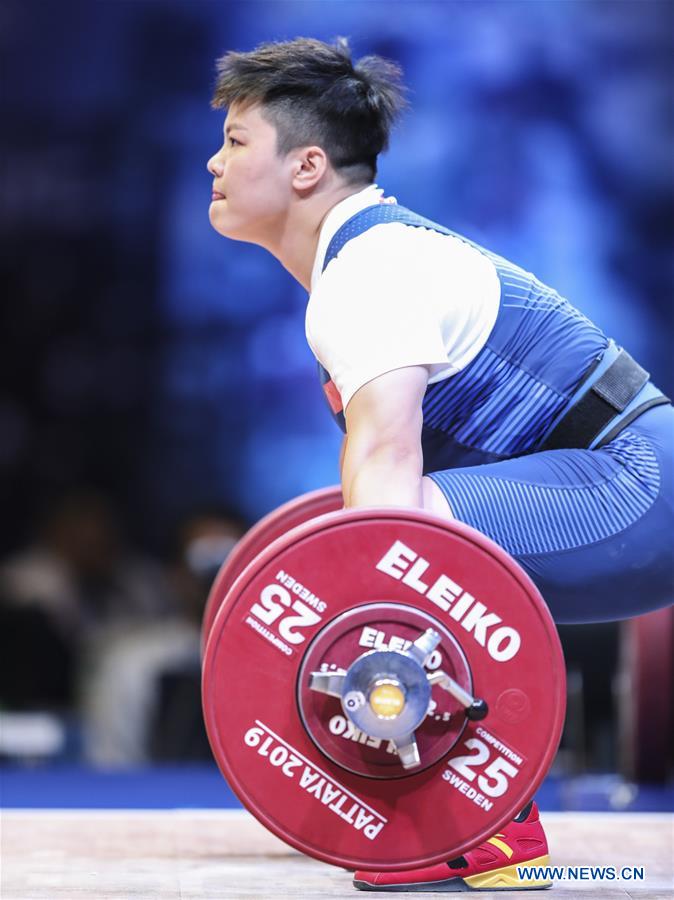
(309, 166)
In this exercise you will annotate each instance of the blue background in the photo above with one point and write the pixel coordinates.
(147, 356)
(202, 787)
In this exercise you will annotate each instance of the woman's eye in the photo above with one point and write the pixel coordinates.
(233, 142)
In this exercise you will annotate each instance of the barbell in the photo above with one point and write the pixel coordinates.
(382, 688)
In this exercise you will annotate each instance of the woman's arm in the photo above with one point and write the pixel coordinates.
(382, 461)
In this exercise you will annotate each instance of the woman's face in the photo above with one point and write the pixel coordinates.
(252, 184)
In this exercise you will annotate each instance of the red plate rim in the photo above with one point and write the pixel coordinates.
(254, 534)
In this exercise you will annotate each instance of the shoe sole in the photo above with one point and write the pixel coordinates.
(504, 879)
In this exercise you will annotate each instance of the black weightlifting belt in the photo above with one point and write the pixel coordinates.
(601, 400)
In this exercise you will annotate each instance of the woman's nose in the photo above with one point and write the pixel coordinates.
(214, 166)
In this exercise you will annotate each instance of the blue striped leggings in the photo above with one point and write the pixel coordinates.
(593, 528)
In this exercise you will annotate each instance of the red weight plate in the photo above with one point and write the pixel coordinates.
(297, 587)
(254, 541)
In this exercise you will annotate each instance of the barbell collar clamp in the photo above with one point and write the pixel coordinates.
(475, 708)
(331, 683)
(423, 647)
(408, 751)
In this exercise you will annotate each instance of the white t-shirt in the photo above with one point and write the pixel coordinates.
(396, 296)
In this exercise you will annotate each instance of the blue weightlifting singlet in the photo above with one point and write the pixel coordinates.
(591, 526)
(505, 401)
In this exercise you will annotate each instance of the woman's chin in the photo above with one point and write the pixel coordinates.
(216, 216)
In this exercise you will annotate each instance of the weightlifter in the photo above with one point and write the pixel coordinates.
(464, 385)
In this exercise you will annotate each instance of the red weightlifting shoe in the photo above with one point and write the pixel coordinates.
(491, 866)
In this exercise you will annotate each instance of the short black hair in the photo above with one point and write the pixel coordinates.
(313, 93)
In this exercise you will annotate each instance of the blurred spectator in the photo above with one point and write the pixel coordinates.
(74, 581)
(37, 661)
(202, 543)
(141, 694)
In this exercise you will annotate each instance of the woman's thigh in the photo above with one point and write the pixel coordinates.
(593, 528)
